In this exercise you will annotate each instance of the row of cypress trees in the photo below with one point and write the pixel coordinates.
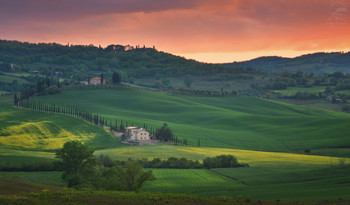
(96, 119)
(93, 118)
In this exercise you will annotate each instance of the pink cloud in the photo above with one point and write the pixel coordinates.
(183, 26)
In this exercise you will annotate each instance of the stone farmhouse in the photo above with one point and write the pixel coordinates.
(137, 134)
(96, 81)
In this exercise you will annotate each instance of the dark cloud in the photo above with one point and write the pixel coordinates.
(44, 10)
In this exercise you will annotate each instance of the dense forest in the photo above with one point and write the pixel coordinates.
(82, 62)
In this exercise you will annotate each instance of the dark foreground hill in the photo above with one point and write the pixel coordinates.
(40, 194)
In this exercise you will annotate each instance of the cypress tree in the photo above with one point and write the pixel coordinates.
(121, 128)
(15, 100)
(199, 142)
(115, 78)
(102, 78)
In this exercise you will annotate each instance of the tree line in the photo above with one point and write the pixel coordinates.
(93, 118)
(221, 161)
(164, 133)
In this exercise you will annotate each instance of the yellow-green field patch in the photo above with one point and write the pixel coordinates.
(253, 158)
(43, 135)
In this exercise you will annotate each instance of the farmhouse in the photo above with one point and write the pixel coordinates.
(96, 81)
(137, 134)
(84, 83)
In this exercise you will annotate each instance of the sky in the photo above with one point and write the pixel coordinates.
(213, 31)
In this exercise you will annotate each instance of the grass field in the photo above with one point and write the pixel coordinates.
(291, 91)
(10, 78)
(194, 181)
(231, 122)
(47, 178)
(266, 183)
(17, 192)
(236, 125)
(253, 158)
(257, 183)
(292, 183)
(25, 135)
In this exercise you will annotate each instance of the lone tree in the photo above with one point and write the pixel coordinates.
(75, 156)
(164, 133)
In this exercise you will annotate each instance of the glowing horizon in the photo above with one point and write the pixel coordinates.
(204, 30)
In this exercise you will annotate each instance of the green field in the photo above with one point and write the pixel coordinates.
(202, 181)
(10, 78)
(292, 183)
(265, 134)
(291, 91)
(47, 178)
(17, 192)
(226, 122)
(25, 130)
(267, 183)
(253, 158)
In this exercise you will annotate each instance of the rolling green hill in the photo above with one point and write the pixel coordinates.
(225, 125)
(227, 122)
(41, 133)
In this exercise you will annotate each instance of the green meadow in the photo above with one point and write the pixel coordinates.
(237, 122)
(270, 136)
(265, 183)
(27, 136)
(291, 91)
(11, 78)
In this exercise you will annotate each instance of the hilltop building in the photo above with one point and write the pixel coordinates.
(137, 134)
(96, 81)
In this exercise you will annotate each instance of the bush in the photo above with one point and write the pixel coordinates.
(222, 161)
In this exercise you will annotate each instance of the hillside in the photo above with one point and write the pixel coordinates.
(221, 123)
(317, 63)
(80, 62)
(228, 121)
(25, 130)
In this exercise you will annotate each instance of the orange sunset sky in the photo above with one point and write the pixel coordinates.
(205, 30)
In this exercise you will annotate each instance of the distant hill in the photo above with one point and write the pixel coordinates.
(80, 62)
(317, 63)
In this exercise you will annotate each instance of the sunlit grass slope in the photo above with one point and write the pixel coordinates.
(253, 158)
(230, 121)
(31, 130)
